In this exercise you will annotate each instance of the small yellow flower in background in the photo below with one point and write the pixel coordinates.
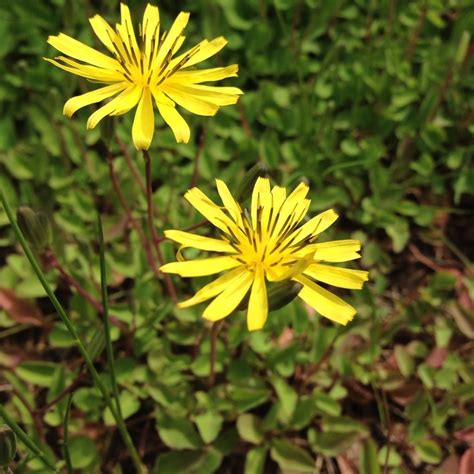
(271, 244)
(144, 69)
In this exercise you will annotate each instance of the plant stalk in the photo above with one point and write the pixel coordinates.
(151, 225)
(72, 331)
(105, 306)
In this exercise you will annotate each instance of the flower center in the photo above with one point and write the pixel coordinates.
(150, 61)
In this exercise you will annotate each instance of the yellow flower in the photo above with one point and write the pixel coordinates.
(270, 244)
(143, 69)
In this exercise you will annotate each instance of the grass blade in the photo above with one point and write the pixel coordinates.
(66, 452)
(105, 305)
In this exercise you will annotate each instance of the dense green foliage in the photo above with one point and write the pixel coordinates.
(369, 101)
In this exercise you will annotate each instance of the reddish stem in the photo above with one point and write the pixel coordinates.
(72, 283)
(151, 225)
(131, 219)
(131, 165)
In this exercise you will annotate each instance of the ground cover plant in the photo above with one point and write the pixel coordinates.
(367, 105)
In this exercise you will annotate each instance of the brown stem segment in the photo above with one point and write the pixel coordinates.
(131, 165)
(214, 333)
(131, 219)
(53, 262)
(151, 225)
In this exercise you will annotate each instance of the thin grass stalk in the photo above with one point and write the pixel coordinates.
(105, 312)
(25, 439)
(66, 452)
(71, 329)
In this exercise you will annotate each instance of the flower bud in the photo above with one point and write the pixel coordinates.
(35, 227)
(282, 293)
(279, 294)
(246, 186)
(7, 445)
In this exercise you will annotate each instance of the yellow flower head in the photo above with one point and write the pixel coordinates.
(144, 68)
(271, 243)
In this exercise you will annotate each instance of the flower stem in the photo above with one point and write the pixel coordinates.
(216, 325)
(74, 334)
(130, 164)
(131, 219)
(24, 438)
(105, 306)
(151, 225)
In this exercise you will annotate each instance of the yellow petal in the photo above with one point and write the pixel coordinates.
(78, 50)
(314, 226)
(219, 96)
(76, 103)
(123, 99)
(128, 101)
(144, 122)
(292, 210)
(336, 250)
(284, 272)
(214, 288)
(194, 104)
(93, 73)
(127, 31)
(203, 75)
(170, 40)
(342, 277)
(260, 193)
(278, 198)
(151, 27)
(208, 209)
(204, 50)
(298, 193)
(202, 267)
(103, 31)
(228, 200)
(172, 117)
(257, 311)
(199, 242)
(324, 302)
(230, 298)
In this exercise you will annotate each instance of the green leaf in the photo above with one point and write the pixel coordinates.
(429, 451)
(192, 462)
(209, 425)
(287, 397)
(178, 433)
(399, 233)
(249, 428)
(394, 459)
(368, 460)
(418, 406)
(332, 443)
(255, 461)
(326, 404)
(343, 424)
(129, 404)
(405, 362)
(37, 372)
(426, 374)
(291, 457)
(247, 398)
(83, 452)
